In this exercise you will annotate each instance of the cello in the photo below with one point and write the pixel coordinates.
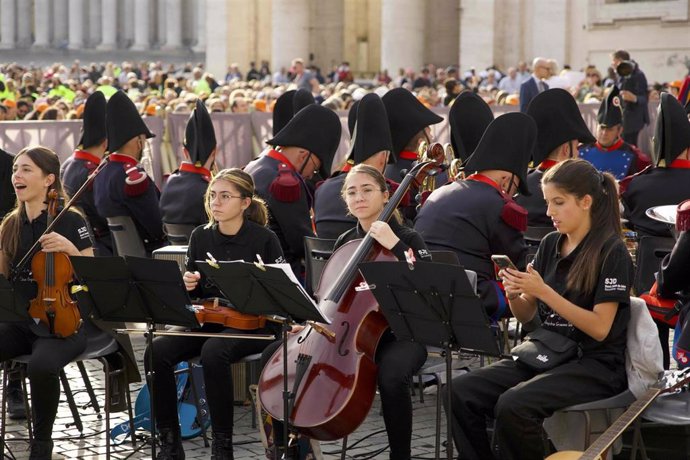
(331, 372)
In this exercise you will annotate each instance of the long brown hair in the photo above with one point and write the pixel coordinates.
(49, 163)
(578, 177)
(256, 212)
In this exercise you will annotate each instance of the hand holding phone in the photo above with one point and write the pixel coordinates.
(503, 262)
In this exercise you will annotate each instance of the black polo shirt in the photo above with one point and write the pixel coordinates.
(252, 239)
(408, 239)
(72, 226)
(613, 285)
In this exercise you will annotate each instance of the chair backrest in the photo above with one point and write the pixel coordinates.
(317, 251)
(172, 252)
(451, 257)
(178, 233)
(650, 251)
(536, 234)
(126, 239)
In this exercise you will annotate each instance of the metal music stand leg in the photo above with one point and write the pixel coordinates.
(449, 396)
(150, 377)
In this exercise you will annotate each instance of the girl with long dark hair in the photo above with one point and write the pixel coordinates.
(579, 287)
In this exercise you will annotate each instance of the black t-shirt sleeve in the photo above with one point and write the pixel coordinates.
(615, 277)
(76, 230)
(273, 252)
(410, 239)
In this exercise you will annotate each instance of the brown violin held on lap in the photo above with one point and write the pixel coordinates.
(215, 312)
(52, 271)
(598, 450)
(331, 372)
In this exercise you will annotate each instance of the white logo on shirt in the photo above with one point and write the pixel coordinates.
(611, 284)
(83, 233)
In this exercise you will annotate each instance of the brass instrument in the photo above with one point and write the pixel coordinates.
(440, 154)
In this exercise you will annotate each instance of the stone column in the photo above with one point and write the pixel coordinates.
(293, 15)
(218, 42)
(95, 23)
(42, 23)
(200, 45)
(76, 24)
(402, 32)
(173, 24)
(60, 23)
(24, 28)
(477, 34)
(8, 29)
(109, 25)
(142, 21)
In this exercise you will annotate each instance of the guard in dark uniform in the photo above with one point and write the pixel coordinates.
(122, 188)
(304, 147)
(477, 217)
(77, 168)
(469, 116)
(287, 105)
(182, 199)
(371, 144)
(408, 120)
(610, 153)
(560, 128)
(668, 180)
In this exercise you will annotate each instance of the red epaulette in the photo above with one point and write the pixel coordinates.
(514, 215)
(623, 183)
(683, 217)
(136, 182)
(286, 186)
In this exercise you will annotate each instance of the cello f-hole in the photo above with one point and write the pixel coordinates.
(301, 339)
(343, 338)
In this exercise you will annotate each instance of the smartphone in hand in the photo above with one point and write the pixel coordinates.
(503, 261)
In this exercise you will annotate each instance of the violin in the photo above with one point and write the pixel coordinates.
(211, 311)
(52, 271)
(331, 369)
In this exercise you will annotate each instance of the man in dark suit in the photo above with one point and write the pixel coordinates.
(535, 84)
(632, 84)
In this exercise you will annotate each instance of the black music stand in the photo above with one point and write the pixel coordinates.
(433, 304)
(13, 306)
(135, 289)
(258, 289)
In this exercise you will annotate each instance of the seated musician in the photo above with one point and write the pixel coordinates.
(579, 287)
(673, 283)
(610, 153)
(477, 217)
(182, 198)
(35, 172)
(560, 129)
(366, 194)
(371, 145)
(236, 231)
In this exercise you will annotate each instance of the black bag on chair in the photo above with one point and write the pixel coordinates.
(543, 349)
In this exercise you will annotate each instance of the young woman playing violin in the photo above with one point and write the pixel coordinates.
(36, 172)
(366, 193)
(236, 231)
(579, 287)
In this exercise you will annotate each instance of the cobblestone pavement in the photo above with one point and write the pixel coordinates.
(369, 438)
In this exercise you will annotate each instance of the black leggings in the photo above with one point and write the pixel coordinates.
(398, 362)
(520, 400)
(48, 357)
(217, 354)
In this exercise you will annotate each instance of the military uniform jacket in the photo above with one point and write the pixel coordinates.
(620, 159)
(535, 204)
(289, 217)
(405, 160)
(122, 188)
(74, 172)
(655, 187)
(331, 216)
(182, 199)
(465, 217)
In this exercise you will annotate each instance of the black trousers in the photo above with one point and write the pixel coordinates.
(398, 362)
(520, 399)
(48, 357)
(631, 137)
(217, 354)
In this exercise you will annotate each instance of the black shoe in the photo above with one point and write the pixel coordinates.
(41, 450)
(15, 401)
(221, 446)
(291, 454)
(170, 444)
